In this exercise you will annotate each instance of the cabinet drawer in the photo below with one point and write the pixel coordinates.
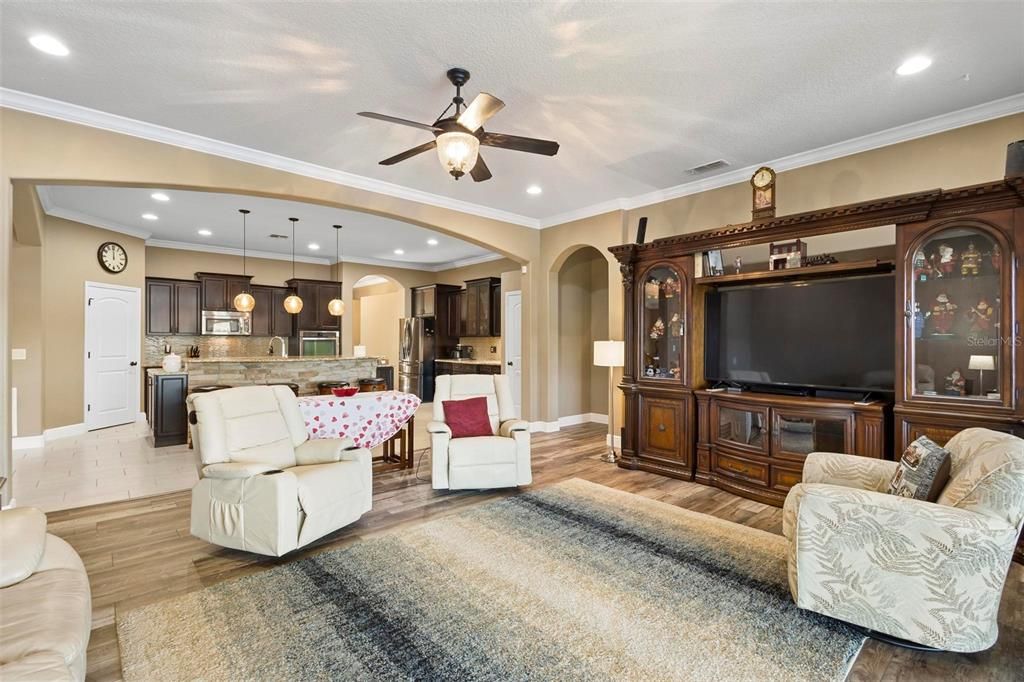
(734, 466)
(784, 478)
(661, 428)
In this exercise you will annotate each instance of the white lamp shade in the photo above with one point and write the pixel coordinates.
(609, 353)
(982, 362)
(359, 351)
(458, 152)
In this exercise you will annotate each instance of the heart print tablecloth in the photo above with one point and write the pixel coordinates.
(369, 419)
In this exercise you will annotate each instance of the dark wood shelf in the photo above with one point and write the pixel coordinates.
(807, 272)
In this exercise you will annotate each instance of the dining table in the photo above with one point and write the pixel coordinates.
(370, 419)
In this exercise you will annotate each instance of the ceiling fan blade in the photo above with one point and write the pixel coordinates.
(480, 171)
(409, 153)
(520, 144)
(479, 110)
(399, 121)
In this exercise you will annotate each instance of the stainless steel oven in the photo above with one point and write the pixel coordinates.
(226, 323)
(318, 343)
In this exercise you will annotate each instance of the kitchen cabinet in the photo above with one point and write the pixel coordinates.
(172, 306)
(424, 301)
(315, 295)
(269, 318)
(482, 307)
(219, 290)
(165, 408)
(445, 367)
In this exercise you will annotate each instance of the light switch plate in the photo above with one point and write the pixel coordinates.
(19, 354)
(494, 349)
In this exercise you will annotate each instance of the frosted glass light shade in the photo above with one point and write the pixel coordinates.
(609, 353)
(293, 304)
(244, 302)
(458, 152)
(336, 307)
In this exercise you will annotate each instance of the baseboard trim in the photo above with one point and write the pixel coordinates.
(543, 427)
(68, 431)
(141, 418)
(27, 442)
(585, 418)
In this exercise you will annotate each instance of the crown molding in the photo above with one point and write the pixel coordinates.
(229, 251)
(464, 262)
(73, 113)
(1007, 106)
(86, 219)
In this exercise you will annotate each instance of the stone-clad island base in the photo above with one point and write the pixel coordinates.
(572, 581)
(307, 372)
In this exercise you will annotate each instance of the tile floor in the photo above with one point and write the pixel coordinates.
(115, 464)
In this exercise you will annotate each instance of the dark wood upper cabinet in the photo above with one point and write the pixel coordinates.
(482, 307)
(172, 306)
(269, 318)
(315, 295)
(424, 301)
(282, 322)
(219, 290)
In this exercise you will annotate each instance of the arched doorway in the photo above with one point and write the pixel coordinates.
(378, 303)
(581, 292)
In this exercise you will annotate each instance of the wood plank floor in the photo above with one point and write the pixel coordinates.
(140, 551)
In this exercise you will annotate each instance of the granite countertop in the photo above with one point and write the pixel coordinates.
(466, 361)
(158, 372)
(272, 358)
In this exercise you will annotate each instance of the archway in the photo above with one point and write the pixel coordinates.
(580, 303)
(378, 303)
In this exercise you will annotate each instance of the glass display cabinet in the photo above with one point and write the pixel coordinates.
(663, 325)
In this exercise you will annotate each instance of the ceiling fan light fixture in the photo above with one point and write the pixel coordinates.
(458, 152)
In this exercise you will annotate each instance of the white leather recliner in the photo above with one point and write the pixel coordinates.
(501, 460)
(264, 486)
(45, 602)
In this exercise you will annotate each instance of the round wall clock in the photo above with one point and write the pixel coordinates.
(112, 256)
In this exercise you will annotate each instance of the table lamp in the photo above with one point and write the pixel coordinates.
(981, 363)
(610, 354)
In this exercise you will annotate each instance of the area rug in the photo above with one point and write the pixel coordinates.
(573, 581)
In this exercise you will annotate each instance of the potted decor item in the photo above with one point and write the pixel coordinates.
(171, 362)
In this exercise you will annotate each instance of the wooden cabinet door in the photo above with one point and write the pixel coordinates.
(159, 307)
(282, 322)
(234, 288)
(463, 304)
(797, 433)
(307, 319)
(187, 311)
(324, 294)
(661, 428)
(262, 314)
(473, 309)
(215, 293)
(495, 312)
(740, 428)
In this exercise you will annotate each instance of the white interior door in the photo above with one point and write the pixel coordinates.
(112, 382)
(513, 343)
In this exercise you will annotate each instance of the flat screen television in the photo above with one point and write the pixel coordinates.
(831, 334)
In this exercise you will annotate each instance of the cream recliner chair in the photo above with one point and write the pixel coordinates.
(45, 602)
(264, 486)
(498, 461)
(930, 573)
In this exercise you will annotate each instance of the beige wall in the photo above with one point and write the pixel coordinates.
(26, 325)
(378, 316)
(582, 319)
(180, 264)
(69, 261)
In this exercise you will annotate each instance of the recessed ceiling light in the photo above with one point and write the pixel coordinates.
(534, 189)
(49, 45)
(432, 242)
(159, 196)
(914, 65)
(314, 247)
(205, 233)
(150, 216)
(399, 252)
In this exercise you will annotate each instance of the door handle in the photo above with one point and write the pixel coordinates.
(509, 363)
(133, 363)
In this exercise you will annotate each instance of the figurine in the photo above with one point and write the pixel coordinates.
(923, 269)
(675, 325)
(947, 259)
(670, 286)
(738, 264)
(658, 330)
(955, 383)
(996, 257)
(651, 289)
(942, 314)
(970, 261)
(918, 321)
(981, 316)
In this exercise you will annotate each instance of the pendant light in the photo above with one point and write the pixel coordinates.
(244, 302)
(293, 304)
(336, 306)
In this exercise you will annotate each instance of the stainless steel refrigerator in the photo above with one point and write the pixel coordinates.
(416, 357)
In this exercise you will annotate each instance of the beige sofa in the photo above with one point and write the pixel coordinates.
(45, 602)
(930, 573)
(264, 486)
(500, 460)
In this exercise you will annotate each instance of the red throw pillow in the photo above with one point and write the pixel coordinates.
(467, 418)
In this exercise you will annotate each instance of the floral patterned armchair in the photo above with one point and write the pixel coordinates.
(930, 573)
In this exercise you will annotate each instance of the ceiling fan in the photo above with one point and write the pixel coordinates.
(458, 137)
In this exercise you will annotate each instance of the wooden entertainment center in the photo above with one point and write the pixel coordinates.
(957, 309)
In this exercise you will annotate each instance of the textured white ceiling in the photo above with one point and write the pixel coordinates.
(635, 92)
(364, 237)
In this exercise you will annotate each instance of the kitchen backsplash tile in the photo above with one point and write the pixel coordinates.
(209, 346)
(482, 347)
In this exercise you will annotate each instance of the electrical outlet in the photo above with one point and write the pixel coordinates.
(494, 349)
(19, 354)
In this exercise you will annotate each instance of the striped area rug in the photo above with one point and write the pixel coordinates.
(573, 581)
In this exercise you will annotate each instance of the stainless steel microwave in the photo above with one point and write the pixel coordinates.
(226, 323)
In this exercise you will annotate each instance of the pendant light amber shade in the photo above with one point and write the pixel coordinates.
(244, 302)
(293, 304)
(336, 306)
